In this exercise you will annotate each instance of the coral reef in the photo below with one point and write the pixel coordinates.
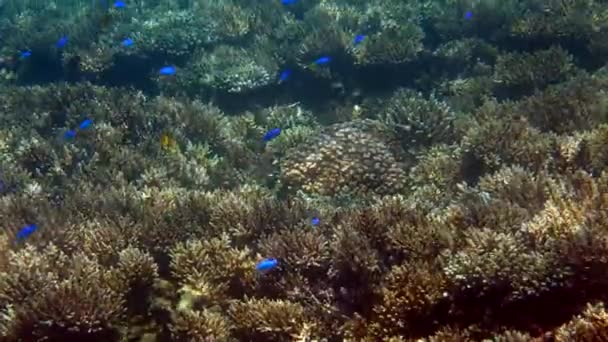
(437, 171)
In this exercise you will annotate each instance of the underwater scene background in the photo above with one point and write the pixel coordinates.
(303, 170)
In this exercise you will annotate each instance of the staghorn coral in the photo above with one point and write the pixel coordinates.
(302, 252)
(382, 48)
(589, 326)
(500, 137)
(170, 33)
(200, 326)
(418, 121)
(271, 320)
(496, 263)
(231, 69)
(589, 151)
(351, 157)
(60, 296)
(533, 71)
(210, 272)
(578, 104)
(411, 294)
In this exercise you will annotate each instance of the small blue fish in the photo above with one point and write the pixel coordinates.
(266, 265)
(62, 42)
(127, 42)
(285, 75)
(358, 39)
(85, 124)
(167, 71)
(315, 221)
(25, 54)
(322, 60)
(70, 134)
(26, 231)
(288, 2)
(119, 4)
(273, 133)
(468, 15)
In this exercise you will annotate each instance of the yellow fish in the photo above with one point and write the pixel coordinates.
(168, 142)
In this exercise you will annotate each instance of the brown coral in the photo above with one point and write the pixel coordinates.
(591, 326)
(212, 271)
(269, 320)
(54, 296)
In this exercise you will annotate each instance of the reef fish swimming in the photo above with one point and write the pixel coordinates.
(26, 231)
(266, 265)
(271, 134)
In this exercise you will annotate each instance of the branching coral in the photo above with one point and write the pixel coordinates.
(56, 296)
(411, 294)
(504, 138)
(230, 69)
(272, 320)
(577, 104)
(200, 326)
(418, 121)
(533, 71)
(212, 270)
(590, 326)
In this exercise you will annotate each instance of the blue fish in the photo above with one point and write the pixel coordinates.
(288, 2)
(273, 133)
(285, 75)
(322, 60)
(119, 4)
(85, 124)
(266, 265)
(315, 221)
(468, 15)
(25, 54)
(62, 42)
(358, 39)
(26, 231)
(69, 134)
(127, 42)
(167, 71)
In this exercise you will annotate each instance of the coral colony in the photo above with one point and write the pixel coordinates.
(282, 170)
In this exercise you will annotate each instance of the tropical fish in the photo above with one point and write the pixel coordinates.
(266, 265)
(168, 142)
(119, 4)
(69, 134)
(167, 71)
(127, 42)
(271, 134)
(26, 231)
(284, 75)
(62, 42)
(323, 60)
(315, 221)
(25, 54)
(85, 124)
(358, 39)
